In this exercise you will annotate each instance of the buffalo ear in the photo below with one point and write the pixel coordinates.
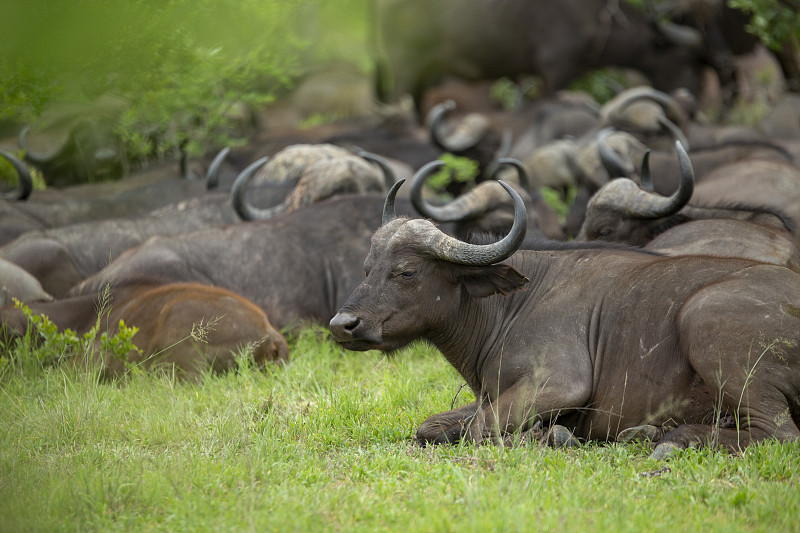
(493, 279)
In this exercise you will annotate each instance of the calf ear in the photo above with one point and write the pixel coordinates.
(494, 279)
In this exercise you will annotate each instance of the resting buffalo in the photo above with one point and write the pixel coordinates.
(186, 328)
(61, 257)
(319, 171)
(16, 282)
(486, 208)
(623, 212)
(421, 42)
(712, 147)
(598, 338)
(297, 267)
(768, 183)
(148, 190)
(473, 137)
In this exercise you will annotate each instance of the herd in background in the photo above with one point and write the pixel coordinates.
(276, 235)
(290, 231)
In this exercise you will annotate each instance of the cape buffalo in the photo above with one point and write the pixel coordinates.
(192, 327)
(599, 339)
(132, 196)
(319, 172)
(297, 267)
(768, 183)
(61, 257)
(19, 283)
(182, 327)
(622, 211)
(486, 208)
(422, 42)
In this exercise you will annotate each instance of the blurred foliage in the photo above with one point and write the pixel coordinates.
(505, 92)
(775, 22)
(8, 175)
(559, 202)
(187, 68)
(602, 84)
(456, 169)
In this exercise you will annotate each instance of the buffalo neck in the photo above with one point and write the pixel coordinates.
(477, 328)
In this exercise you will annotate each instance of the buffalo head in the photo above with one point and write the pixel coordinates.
(621, 211)
(416, 277)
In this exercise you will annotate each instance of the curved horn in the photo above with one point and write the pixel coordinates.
(440, 214)
(450, 249)
(33, 157)
(473, 204)
(435, 118)
(614, 108)
(388, 205)
(239, 188)
(522, 174)
(644, 175)
(466, 138)
(212, 174)
(674, 130)
(388, 174)
(25, 184)
(615, 165)
(681, 35)
(649, 205)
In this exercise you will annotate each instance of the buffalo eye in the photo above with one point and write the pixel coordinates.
(605, 232)
(408, 274)
(404, 270)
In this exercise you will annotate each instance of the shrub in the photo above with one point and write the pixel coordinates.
(185, 67)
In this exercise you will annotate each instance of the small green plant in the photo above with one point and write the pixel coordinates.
(120, 344)
(506, 93)
(602, 84)
(45, 345)
(558, 202)
(456, 169)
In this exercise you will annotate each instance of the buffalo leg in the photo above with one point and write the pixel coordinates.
(448, 427)
(690, 435)
(749, 361)
(517, 408)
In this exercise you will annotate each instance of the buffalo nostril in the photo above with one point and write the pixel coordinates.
(352, 325)
(344, 322)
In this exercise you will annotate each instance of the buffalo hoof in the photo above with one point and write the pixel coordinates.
(665, 450)
(530, 436)
(640, 434)
(560, 437)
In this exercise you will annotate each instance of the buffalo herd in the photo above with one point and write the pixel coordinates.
(614, 271)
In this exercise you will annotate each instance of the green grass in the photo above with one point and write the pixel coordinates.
(325, 444)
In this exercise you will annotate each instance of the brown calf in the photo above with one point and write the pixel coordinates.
(191, 327)
(185, 327)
